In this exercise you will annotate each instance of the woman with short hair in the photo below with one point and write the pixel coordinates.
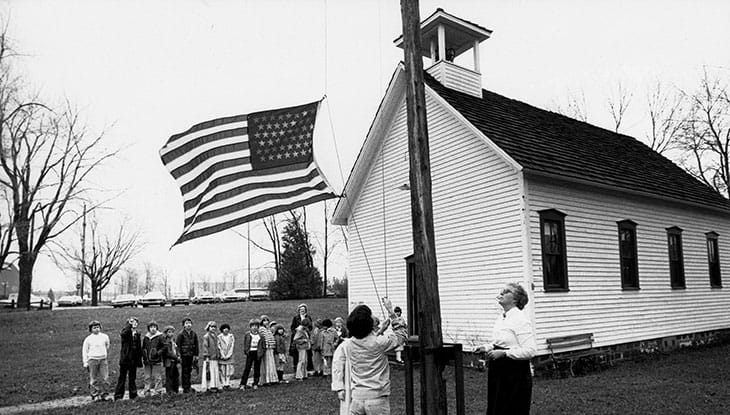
(509, 385)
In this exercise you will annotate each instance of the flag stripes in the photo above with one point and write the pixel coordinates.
(267, 211)
(222, 186)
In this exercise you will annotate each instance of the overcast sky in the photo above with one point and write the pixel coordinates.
(143, 71)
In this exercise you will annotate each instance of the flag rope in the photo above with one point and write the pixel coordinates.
(344, 196)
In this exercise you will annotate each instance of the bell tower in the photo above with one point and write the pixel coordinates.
(443, 38)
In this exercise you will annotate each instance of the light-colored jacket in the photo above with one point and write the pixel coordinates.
(367, 362)
(341, 375)
(226, 344)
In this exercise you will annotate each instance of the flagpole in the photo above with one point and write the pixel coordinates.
(248, 256)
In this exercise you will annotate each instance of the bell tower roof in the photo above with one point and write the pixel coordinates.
(461, 34)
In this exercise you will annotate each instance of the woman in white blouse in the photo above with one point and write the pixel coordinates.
(509, 385)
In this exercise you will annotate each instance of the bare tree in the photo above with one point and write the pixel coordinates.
(230, 278)
(149, 274)
(666, 113)
(6, 231)
(705, 134)
(45, 159)
(104, 255)
(576, 107)
(618, 103)
(165, 281)
(327, 243)
(131, 281)
(272, 231)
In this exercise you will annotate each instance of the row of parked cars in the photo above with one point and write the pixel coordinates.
(204, 297)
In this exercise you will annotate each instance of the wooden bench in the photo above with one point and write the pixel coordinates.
(581, 349)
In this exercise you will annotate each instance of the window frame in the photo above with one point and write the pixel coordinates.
(713, 266)
(626, 283)
(676, 267)
(553, 215)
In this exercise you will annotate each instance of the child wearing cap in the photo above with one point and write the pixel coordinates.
(253, 347)
(152, 359)
(170, 359)
(94, 357)
(226, 342)
(211, 355)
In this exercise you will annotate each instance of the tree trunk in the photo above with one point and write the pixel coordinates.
(26, 261)
(94, 295)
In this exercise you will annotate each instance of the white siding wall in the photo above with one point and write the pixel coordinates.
(596, 303)
(457, 77)
(477, 220)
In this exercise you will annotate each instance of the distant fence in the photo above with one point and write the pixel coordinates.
(41, 305)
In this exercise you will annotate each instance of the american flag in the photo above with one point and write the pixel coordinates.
(237, 169)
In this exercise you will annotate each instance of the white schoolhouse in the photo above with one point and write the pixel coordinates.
(609, 237)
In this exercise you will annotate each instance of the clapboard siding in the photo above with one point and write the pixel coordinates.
(596, 303)
(456, 77)
(477, 220)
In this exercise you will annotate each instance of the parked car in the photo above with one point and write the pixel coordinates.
(179, 298)
(232, 296)
(204, 297)
(11, 301)
(69, 301)
(125, 300)
(153, 298)
(259, 294)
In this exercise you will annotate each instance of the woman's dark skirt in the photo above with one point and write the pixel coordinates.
(509, 387)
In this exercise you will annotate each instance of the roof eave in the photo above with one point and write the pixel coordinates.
(383, 117)
(538, 173)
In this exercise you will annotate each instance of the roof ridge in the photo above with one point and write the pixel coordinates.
(530, 134)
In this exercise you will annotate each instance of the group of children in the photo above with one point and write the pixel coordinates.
(266, 346)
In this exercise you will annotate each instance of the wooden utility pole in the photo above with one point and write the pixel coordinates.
(326, 250)
(248, 256)
(83, 252)
(433, 386)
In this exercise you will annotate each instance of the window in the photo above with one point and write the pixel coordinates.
(676, 262)
(713, 260)
(628, 254)
(554, 262)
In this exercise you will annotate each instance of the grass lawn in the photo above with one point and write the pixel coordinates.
(40, 351)
(41, 360)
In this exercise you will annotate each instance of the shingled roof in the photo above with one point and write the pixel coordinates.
(549, 143)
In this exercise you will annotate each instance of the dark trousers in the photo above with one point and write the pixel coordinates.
(126, 371)
(252, 359)
(509, 387)
(187, 368)
(172, 379)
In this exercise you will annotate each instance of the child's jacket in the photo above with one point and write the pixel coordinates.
(328, 341)
(170, 352)
(152, 348)
(210, 346)
(301, 340)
